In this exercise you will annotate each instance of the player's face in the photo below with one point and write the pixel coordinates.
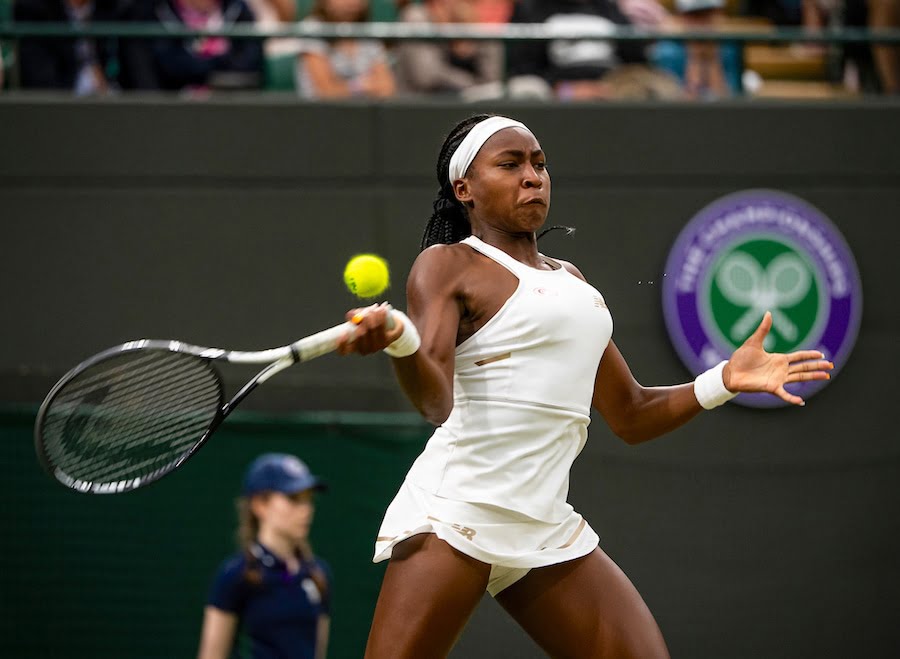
(288, 515)
(508, 183)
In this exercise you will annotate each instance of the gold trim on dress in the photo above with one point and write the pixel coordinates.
(574, 535)
(491, 360)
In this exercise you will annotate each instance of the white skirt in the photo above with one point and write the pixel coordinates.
(512, 543)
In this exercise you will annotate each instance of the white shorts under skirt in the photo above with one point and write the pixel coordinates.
(512, 543)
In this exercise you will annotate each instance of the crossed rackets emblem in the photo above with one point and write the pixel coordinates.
(780, 285)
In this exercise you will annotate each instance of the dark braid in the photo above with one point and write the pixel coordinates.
(449, 222)
(556, 227)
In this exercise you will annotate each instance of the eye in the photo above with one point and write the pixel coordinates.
(540, 165)
(508, 164)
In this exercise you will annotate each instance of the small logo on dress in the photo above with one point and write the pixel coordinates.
(540, 290)
(599, 302)
(758, 251)
(465, 531)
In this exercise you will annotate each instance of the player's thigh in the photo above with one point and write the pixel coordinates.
(584, 608)
(429, 592)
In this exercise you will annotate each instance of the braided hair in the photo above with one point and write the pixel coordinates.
(449, 223)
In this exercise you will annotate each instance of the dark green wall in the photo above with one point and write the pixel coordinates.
(750, 533)
(127, 576)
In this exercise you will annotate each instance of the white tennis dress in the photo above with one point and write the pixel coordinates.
(494, 478)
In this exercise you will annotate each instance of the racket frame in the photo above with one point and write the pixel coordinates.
(277, 359)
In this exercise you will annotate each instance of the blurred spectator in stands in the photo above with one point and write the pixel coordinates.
(343, 68)
(486, 11)
(708, 69)
(84, 66)
(861, 67)
(573, 69)
(886, 14)
(5, 46)
(645, 13)
(269, 13)
(636, 82)
(779, 12)
(280, 52)
(447, 67)
(207, 62)
(494, 11)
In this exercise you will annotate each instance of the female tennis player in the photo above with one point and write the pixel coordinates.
(514, 349)
(274, 591)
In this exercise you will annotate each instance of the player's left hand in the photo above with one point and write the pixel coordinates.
(752, 369)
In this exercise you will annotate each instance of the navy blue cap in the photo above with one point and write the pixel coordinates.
(279, 472)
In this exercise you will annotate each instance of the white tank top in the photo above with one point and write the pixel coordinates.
(522, 390)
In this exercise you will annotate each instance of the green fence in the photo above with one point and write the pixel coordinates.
(126, 576)
(279, 69)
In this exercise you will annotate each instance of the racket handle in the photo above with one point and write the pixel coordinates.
(321, 343)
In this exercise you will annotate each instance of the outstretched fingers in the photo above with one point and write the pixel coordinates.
(804, 376)
(809, 365)
(782, 393)
(804, 356)
(804, 366)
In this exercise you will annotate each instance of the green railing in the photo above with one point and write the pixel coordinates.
(279, 70)
(484, 32)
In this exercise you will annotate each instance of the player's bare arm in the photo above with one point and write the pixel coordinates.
(637, 414)
(433, 293)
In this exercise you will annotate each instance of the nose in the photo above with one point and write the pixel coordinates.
(531, 179)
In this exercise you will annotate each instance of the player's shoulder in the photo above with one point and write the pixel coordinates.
(446, 252)
(443, 262)
(568, 266)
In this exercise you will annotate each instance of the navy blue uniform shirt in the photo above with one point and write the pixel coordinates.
(279, 616)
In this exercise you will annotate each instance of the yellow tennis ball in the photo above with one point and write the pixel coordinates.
(366, 275)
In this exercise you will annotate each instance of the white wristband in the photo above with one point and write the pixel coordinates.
(709, 388)
(408, 341)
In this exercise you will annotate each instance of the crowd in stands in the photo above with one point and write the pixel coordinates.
(561, 69)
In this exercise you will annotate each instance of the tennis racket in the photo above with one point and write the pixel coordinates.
(131, 414)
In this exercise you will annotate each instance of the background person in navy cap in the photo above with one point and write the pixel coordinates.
(274, 591)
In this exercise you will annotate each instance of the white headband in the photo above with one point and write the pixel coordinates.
(472, 143)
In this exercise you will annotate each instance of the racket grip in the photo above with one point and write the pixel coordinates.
(321, 343)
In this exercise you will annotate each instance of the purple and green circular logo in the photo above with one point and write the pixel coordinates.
(758, 251)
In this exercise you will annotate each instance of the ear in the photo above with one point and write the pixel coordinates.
(258, 504)
(461, 190)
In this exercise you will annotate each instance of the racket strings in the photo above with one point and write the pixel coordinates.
(123, 429)
(130, 394)
(181, 435)
(131, 415)
(136, 419)
(103, 435)
(160, 425)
